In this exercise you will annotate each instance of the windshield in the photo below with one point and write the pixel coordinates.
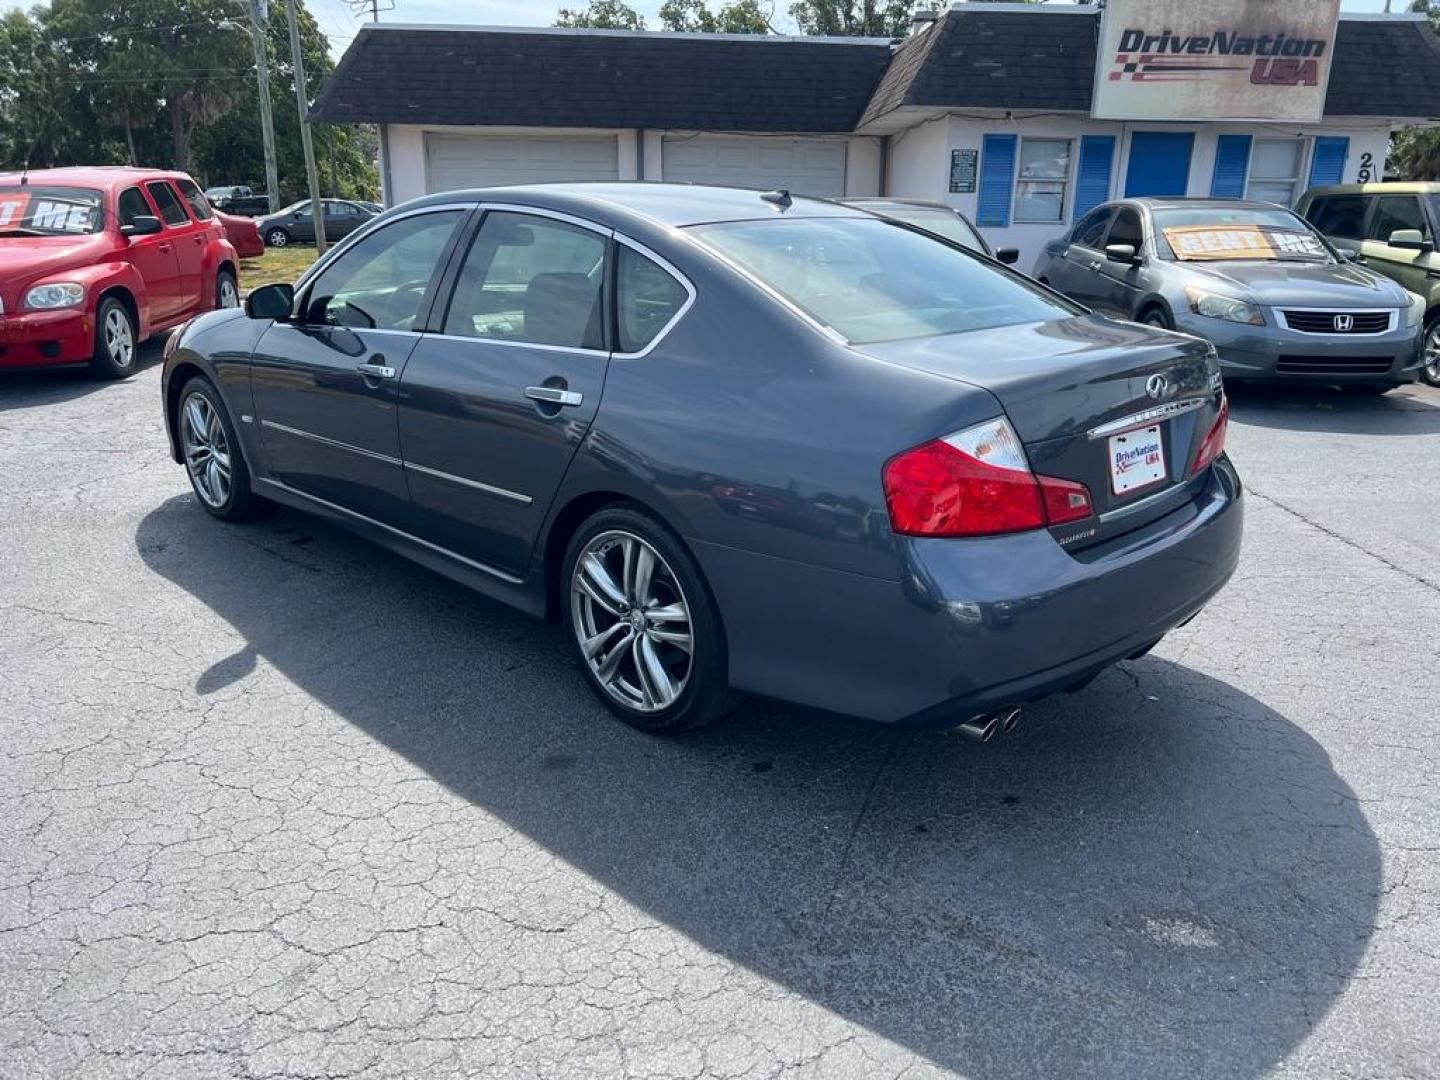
(38, 210)
(940, 222)
(871, 281)
(1211, 233)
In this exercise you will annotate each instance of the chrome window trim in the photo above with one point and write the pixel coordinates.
(540, 211)
(1284, 323)
(482, 567)
(1147, 416)
(337, 444)
(670, 268)
(489, 489)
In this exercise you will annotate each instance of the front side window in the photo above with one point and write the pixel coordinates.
(1275, 170)
(1396, 212)
(1044, 171)
(872, 281)
(42, 210)
(1126, 229)
(132, 205)
(647, 297)
(1090, 232)
(199, 206)
(531, 279)
(1339, 215)
(383, 281)
(171, 212)
(942, 223)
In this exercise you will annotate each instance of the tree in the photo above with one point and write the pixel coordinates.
(603, 15)
(846, 18)
(740, 17)
(1415, 152)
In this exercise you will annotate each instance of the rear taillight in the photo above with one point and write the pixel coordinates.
(1214, 444)
(976, 482)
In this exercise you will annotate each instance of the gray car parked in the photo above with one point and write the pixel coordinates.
(731, 440)
(1272, 295)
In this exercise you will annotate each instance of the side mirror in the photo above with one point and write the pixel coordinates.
(1409, 240)
(271, 302)
(1121, 253)
(1008, 256)
(143, 225)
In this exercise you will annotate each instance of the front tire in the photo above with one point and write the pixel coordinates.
(1157, 317)
(643, 625)
(277, 238)
(214, 461)
(116, 341)
(1430, 372)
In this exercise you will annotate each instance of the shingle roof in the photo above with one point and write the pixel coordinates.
(978, 59)
(396, 74)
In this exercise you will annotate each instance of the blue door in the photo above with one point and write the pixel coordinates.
(1159, 163)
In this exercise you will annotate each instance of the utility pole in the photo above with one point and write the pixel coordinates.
(259, 16)
(317, 210)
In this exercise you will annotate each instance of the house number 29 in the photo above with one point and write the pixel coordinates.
(1367, 168)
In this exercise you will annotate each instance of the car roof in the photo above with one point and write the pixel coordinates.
(666, 205)
(1155, 202)
(100, 176)
(1379, 187)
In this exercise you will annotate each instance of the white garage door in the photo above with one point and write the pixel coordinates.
(469, 161)
(804, 166)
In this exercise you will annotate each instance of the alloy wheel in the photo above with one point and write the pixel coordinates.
(1432, 354)
(632, 621)
(229, 295)
(207, 450)
(119, 338)
(278, 238)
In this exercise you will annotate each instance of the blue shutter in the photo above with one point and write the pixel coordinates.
(1092, 179)
(1327, 164)
(997, 179)
(1232, 161)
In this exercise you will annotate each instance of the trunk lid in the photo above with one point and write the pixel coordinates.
(1069, 386)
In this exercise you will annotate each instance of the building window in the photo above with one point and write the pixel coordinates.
(1044, 174)
(1275, 170)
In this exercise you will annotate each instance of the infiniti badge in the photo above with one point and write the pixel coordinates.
(1156, 386)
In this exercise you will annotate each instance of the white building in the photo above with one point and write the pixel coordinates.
(988, 108)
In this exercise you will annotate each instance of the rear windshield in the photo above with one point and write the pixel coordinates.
(1210, 234)
(39, 210)
(873, 281)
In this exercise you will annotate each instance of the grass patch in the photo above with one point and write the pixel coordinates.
(276, 265)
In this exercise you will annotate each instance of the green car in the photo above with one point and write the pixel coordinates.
(1392, 229)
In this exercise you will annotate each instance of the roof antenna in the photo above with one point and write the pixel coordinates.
(780, 197)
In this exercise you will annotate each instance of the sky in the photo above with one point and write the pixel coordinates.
(339, 20)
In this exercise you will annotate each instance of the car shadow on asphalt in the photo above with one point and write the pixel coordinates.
(1413, 409)
(28, 388)
(1157, 875)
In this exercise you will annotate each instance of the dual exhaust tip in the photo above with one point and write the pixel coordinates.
(982, 728)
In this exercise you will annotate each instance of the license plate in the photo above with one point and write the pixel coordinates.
(1137, 459)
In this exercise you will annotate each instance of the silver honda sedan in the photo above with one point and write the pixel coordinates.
(1277, 301)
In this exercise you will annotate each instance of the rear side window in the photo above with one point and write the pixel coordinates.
(171, 212)
(1339, 215)
(131, 205)
(199, 205)
(647, 298)
(1395, 212)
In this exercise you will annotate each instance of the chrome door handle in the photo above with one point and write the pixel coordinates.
(553, 396)
(376, 371)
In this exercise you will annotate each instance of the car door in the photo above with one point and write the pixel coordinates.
(325, 384)
(301, 223)
(1118, 293)
(494, 406)
(1390, 214)
(1076, 272)
(187, 236)
(152, 256)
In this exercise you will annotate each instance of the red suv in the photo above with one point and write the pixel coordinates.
(95, 260)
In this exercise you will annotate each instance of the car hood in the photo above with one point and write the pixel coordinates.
(1308, 284)
(24, 258)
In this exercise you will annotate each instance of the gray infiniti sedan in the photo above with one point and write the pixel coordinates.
(1277, 301)
(732, 441)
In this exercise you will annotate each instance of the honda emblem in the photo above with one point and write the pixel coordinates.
(1344, 323)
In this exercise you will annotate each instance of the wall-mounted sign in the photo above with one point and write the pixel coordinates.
(964, 164)
(1217, 60)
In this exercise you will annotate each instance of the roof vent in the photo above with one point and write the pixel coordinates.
(780, 197)
(921, 19)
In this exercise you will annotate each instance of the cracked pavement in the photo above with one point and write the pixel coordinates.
(277, 804)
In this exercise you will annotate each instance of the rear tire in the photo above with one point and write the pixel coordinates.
(214, 460)
(116, 341)
(1430, 372)
(277, 238)
(643, 624)
(227, 292)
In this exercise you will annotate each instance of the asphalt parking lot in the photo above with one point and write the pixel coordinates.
(279, 804)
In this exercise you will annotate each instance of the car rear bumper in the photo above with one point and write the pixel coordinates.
(1269, 353)
(977, 624)
(45, 338)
